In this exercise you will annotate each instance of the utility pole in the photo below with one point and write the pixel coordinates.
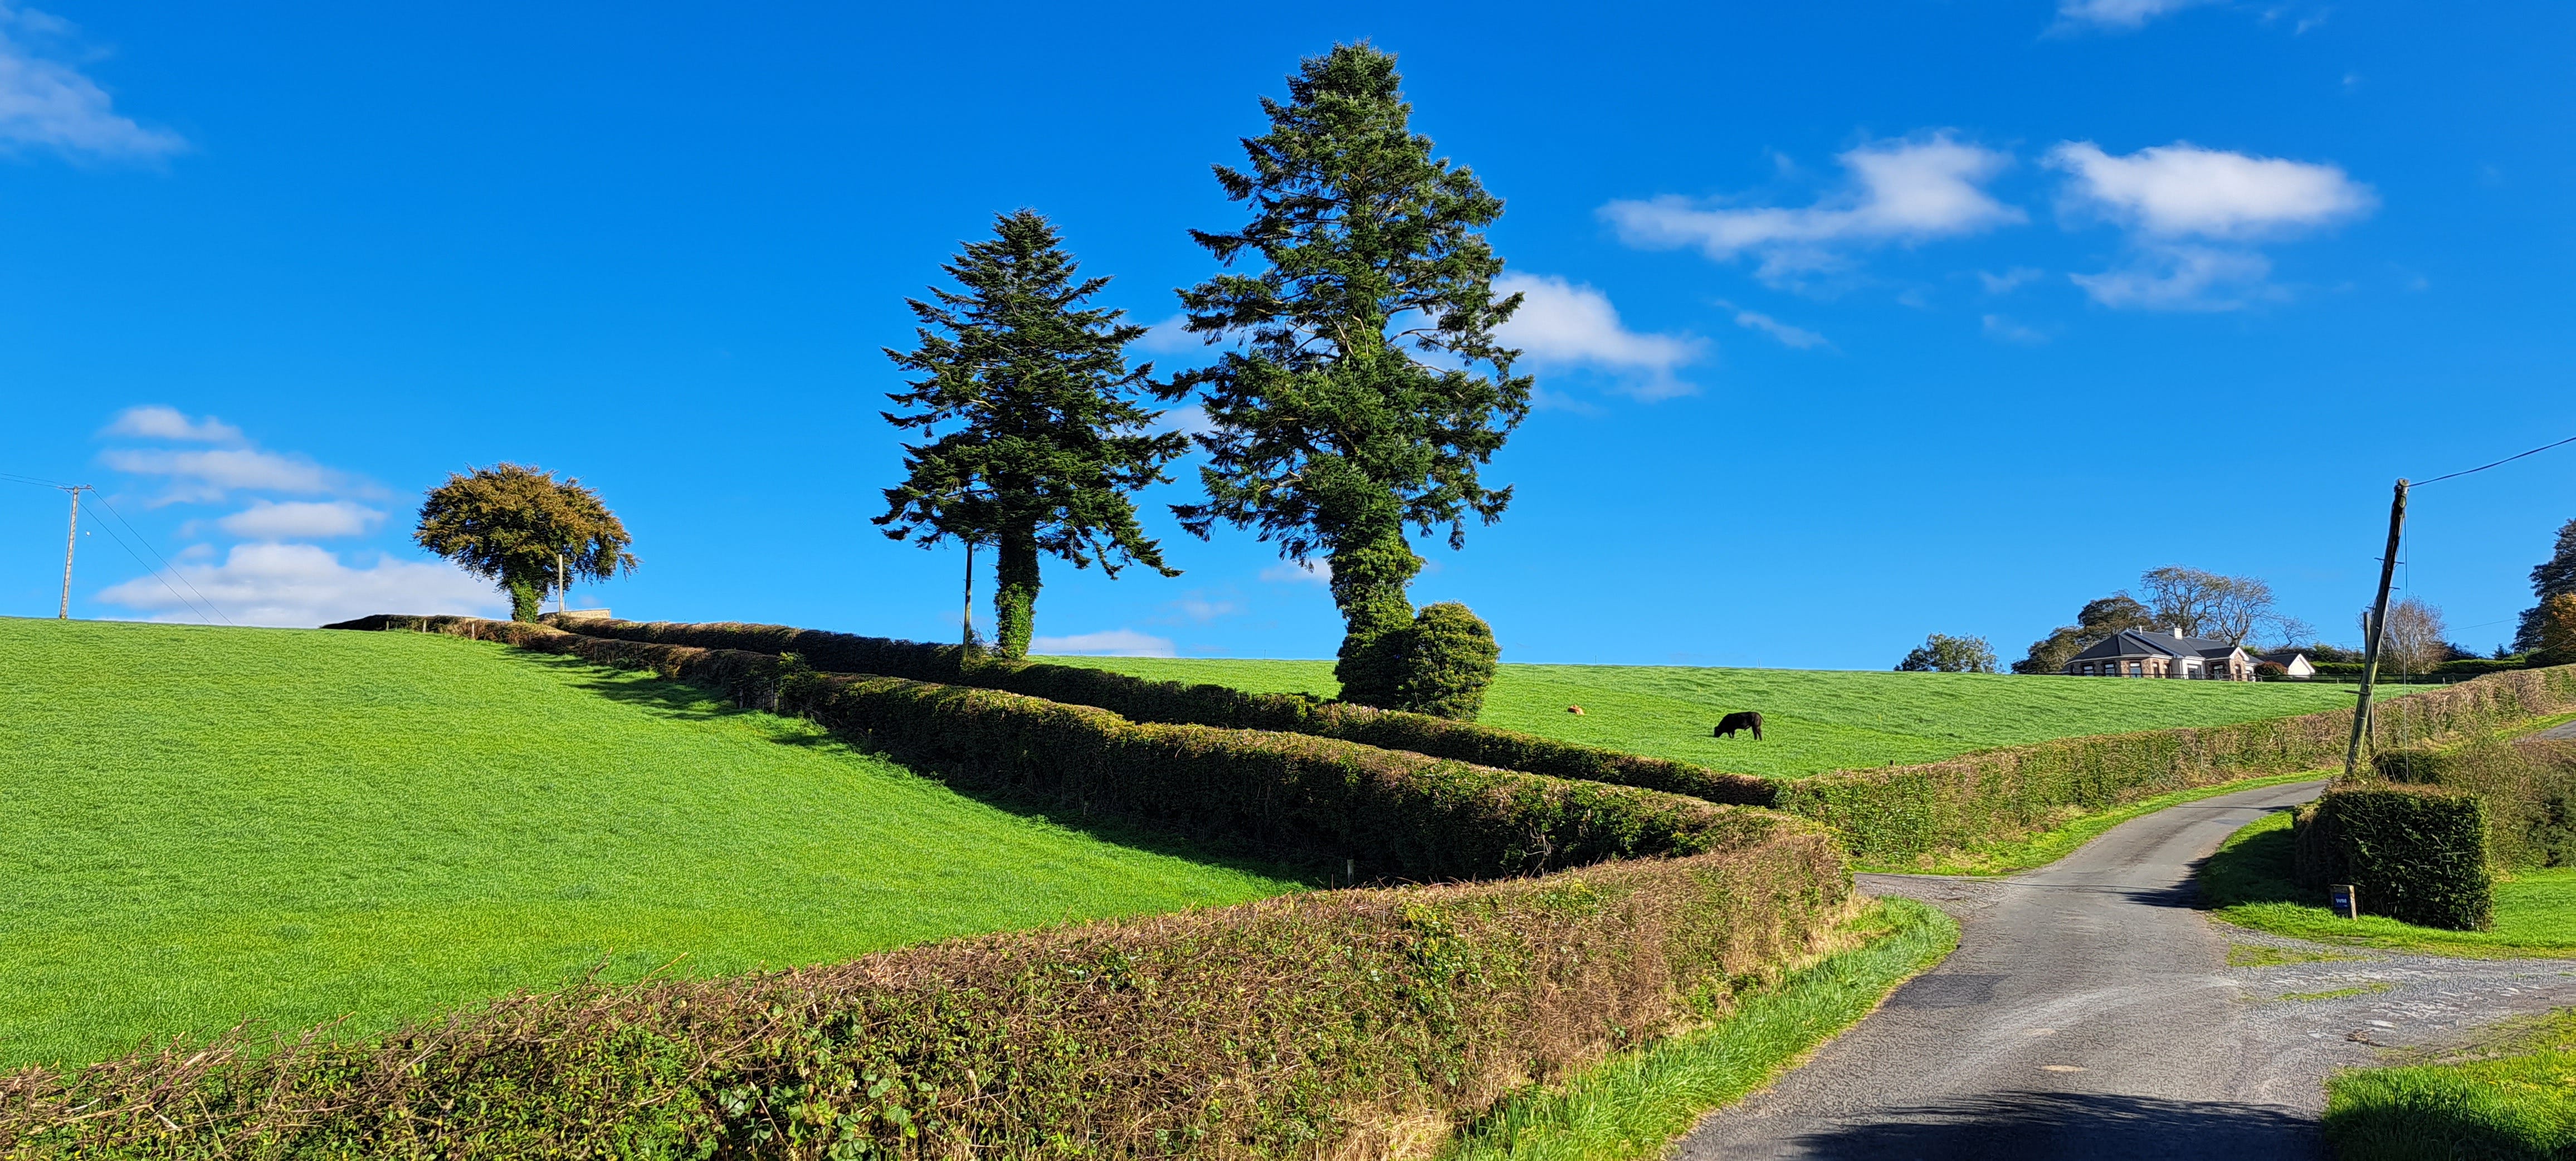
(559, 584)
(70, 539)
(966, 619)
(2378, 632)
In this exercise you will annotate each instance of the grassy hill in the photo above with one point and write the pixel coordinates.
(1813, 720)
(201, 825)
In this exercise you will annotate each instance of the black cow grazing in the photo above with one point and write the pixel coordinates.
(1740, 720)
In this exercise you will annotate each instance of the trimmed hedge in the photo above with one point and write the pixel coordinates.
(1912, 814)
(2417, 854)
(1146, 700)
(1388, 813)
(1891, 815)
(2529, 786)
(1331, 1024)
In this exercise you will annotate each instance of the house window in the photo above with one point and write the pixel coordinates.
(2134, 670)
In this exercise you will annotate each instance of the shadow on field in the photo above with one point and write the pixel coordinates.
(686, 701)
(2047, 1124)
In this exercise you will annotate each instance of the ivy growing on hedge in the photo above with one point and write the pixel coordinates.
(1337, 1023)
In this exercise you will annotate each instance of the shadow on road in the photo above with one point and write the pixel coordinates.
(2040, 1124)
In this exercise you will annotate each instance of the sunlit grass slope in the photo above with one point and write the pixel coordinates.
(200, 825)
(1813, 720)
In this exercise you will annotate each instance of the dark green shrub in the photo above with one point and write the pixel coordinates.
(1325, 1024)
(1448, 663)
(2416, 854)
(1387, 813)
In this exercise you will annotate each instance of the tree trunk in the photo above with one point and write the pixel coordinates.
(1015, 596)
(1369, 578)
(527, 599)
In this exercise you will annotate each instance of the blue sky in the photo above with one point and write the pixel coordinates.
(1853, 322)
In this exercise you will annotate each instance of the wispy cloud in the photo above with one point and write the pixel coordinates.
(45, 101)
(1106, 643)
(2116, 15)
(1799, 338)
(2193, 214)
(2005, 282)
(1906, 191)
(1171, 337)
(2002, 329)
(212, 475)
(304, 584)
(1568, 324)
(299, 519)
(154, 421)
(1314, 571)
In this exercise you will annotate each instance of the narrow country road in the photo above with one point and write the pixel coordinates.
(2090, 1012)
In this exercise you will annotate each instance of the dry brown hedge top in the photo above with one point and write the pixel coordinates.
(1334, 1024)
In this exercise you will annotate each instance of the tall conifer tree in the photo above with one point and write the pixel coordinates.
(1050, 440)
(1353, 405)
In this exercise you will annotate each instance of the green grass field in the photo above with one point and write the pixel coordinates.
(2249, 882)
(1813, 720)
(201, 825)
(2511, 1093)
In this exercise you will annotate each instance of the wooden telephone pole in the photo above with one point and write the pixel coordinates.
(71, 538)
(2378, 632)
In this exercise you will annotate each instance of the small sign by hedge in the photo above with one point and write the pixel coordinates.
(2416, 854)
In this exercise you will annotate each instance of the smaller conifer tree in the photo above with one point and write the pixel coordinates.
(1044, 439)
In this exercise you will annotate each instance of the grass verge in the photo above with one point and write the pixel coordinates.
(1634, 1105)
(2511, 1095)
(2048, 846)
(2249, 884)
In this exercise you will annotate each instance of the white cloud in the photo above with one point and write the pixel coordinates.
(1799, 338)
(2117, 14)
(211, 475)
(159, 422)
(2002, 329)
(1568, 324)
(1106, 643)
(1316, 570)
(1188, 419)
(1201, 609)
(304, 584)
(2183, 278)
(2182, 190)
(2175, 199)
(267, 520)
(47, 102)
(1905, 191)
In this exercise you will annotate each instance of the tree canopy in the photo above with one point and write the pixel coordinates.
(2097, 620)
(1942, 653)
(1365, 388)
(1045, 440)
(518, 526)
(2552, 577)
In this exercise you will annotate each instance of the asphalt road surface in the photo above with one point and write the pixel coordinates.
(2090, 1012)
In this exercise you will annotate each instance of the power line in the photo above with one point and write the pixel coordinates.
(16, 479)
(167, 568)
(159, 576)
(2505, 460)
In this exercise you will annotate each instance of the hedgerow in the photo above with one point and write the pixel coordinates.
(1903, 814)
(1146, 700)
(2416, 854)
(2529, 785)
(1339, 1023)
(1380, 812)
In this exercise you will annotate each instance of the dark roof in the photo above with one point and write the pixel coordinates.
(2148, 643)
(2283, 656)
